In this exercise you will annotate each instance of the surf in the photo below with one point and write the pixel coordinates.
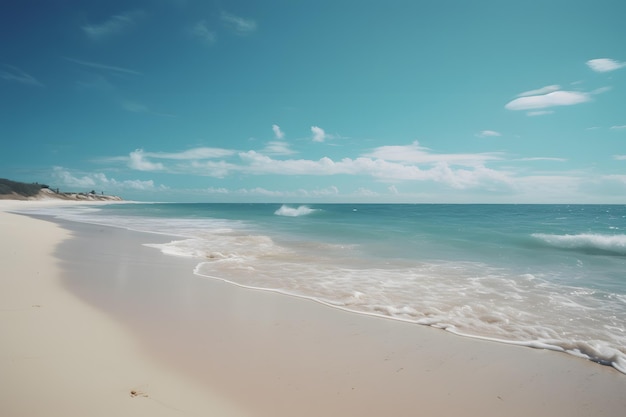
(587, 242)
(288, 211)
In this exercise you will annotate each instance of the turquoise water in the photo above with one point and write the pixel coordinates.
(548, 276)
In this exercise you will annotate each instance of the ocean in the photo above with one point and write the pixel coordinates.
(544, 276)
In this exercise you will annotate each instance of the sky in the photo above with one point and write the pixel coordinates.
(325, 101)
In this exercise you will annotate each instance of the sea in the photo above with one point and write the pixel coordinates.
(542, 276)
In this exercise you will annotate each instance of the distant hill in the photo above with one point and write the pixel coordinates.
(14, 190)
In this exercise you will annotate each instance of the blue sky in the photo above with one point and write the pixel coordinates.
(317, 101)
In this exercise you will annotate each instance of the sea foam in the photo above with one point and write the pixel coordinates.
(293, 212)
(610, 244)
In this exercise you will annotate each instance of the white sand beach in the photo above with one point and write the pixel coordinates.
(93, 323)
(62, 357)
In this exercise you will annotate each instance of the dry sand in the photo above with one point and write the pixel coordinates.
(62, 357)
(90, 315)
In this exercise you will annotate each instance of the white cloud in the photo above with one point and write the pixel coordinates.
(616, 177)
(137, 160)
(277, 147)
(555, 98)
(543, 158)
(618, 127)
(365, 192)
(387, 163)
(220, 190)
(68, 180)
(11, 73)
(540, 91)
(194, 161)
(201, 32)
(414, 153)
(216, 169)
(113, 184)
(329, 191)
(539, 112)
(318, 134)
(605, 64)
(619, 157)
(393, 190)
(441, 172)
(114, 25)
(488, 133)
(194, 153)
(261, 191)
(279, 134)
(109, 68)
(480, 176)
(256, 163)
(97, 181)
(239, 25)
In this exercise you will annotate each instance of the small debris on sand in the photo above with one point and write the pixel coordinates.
(137, 393)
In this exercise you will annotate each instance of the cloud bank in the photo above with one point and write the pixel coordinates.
(387, 163)
(98, 181)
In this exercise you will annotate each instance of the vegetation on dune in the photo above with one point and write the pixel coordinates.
(20, 188)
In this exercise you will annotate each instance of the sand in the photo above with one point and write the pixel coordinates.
(62, 357)
(89, 315)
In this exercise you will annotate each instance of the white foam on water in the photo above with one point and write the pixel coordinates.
(470, 299)
(182, 227)
(615, 244)
(288, 211)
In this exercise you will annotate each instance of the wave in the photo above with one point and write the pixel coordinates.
(294, 212)
(588, 242)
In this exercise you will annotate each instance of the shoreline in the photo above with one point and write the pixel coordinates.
(276, 355)
(525, 344)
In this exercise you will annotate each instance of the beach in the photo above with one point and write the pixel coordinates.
(59, 356)
(93, 322)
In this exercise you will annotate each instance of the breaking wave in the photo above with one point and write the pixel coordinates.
(294, 212)
(587, 242)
